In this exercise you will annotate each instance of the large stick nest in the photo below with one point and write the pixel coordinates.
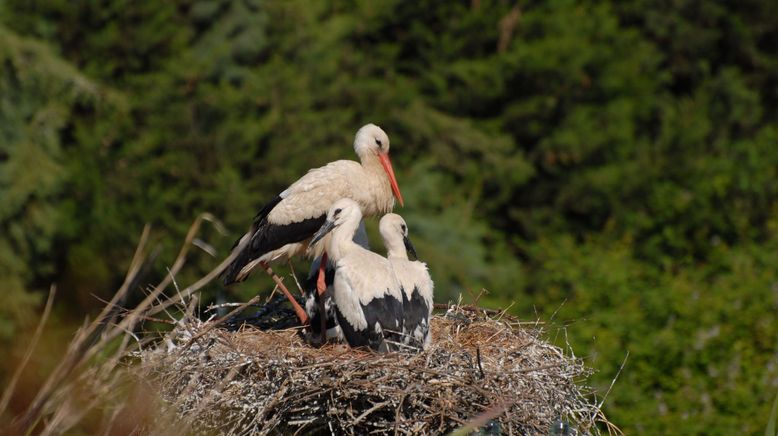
(481, 371)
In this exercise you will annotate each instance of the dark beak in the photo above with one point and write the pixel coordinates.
(323, 230)
(409, 248)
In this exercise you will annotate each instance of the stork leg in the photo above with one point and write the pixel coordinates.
(321, 287)
(298, 310)
(321, 284)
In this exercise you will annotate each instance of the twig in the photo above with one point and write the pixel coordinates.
(294, 276)
(478, 357)
(145, 305)
(221, 320)
(553, 315)
(613, 382)
(480, 294)
(504, 311)
(483, 418)
(212, 307)
(471, 308)
(398, 409)
(369, 411)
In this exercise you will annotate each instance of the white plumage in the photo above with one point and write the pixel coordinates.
(315, 303)
(414, 279)
(284, 226)
(369, 298)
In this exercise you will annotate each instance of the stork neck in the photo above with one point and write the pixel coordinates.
(375, 187)
(342, 241)
(371, 163)
(395, 249)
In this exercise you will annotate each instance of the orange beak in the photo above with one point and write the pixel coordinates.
(387, 164)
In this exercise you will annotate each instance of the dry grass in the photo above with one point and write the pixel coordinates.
(87, 382)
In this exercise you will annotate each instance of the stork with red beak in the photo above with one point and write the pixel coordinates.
(283, 227)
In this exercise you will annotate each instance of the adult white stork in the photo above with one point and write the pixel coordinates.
(368, 296)
(414, 279)
(284, 226)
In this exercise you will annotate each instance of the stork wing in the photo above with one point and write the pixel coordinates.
(424, 281)
(313, 194)
(368, 301)
(294, 215)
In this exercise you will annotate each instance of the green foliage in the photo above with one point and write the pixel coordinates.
(38, 93)
(701, 337)
(613, 164)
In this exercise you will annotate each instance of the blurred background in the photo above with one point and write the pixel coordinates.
(609, 168)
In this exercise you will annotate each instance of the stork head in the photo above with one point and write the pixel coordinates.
(370, 141)
(344, 211)
(394, 231)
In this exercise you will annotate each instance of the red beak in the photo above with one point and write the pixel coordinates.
(387, 164)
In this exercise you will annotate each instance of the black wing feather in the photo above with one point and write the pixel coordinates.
(415, 314)
(266, 237)
(387, 312)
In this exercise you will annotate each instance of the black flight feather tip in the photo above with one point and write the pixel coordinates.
(266, 237)
(385, 312)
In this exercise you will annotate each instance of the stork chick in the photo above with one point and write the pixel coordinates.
(414, 278)
(317, 304)
(368, 299)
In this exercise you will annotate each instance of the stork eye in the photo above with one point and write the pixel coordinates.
(378, 141)
(402, 226)
(337, 211)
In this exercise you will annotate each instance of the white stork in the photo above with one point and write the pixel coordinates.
(317, 304)
(368, 297)
(284, 226)
(414, 279)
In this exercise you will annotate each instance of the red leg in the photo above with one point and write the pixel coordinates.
(321, 287)
(298, 310)
(321, 284)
